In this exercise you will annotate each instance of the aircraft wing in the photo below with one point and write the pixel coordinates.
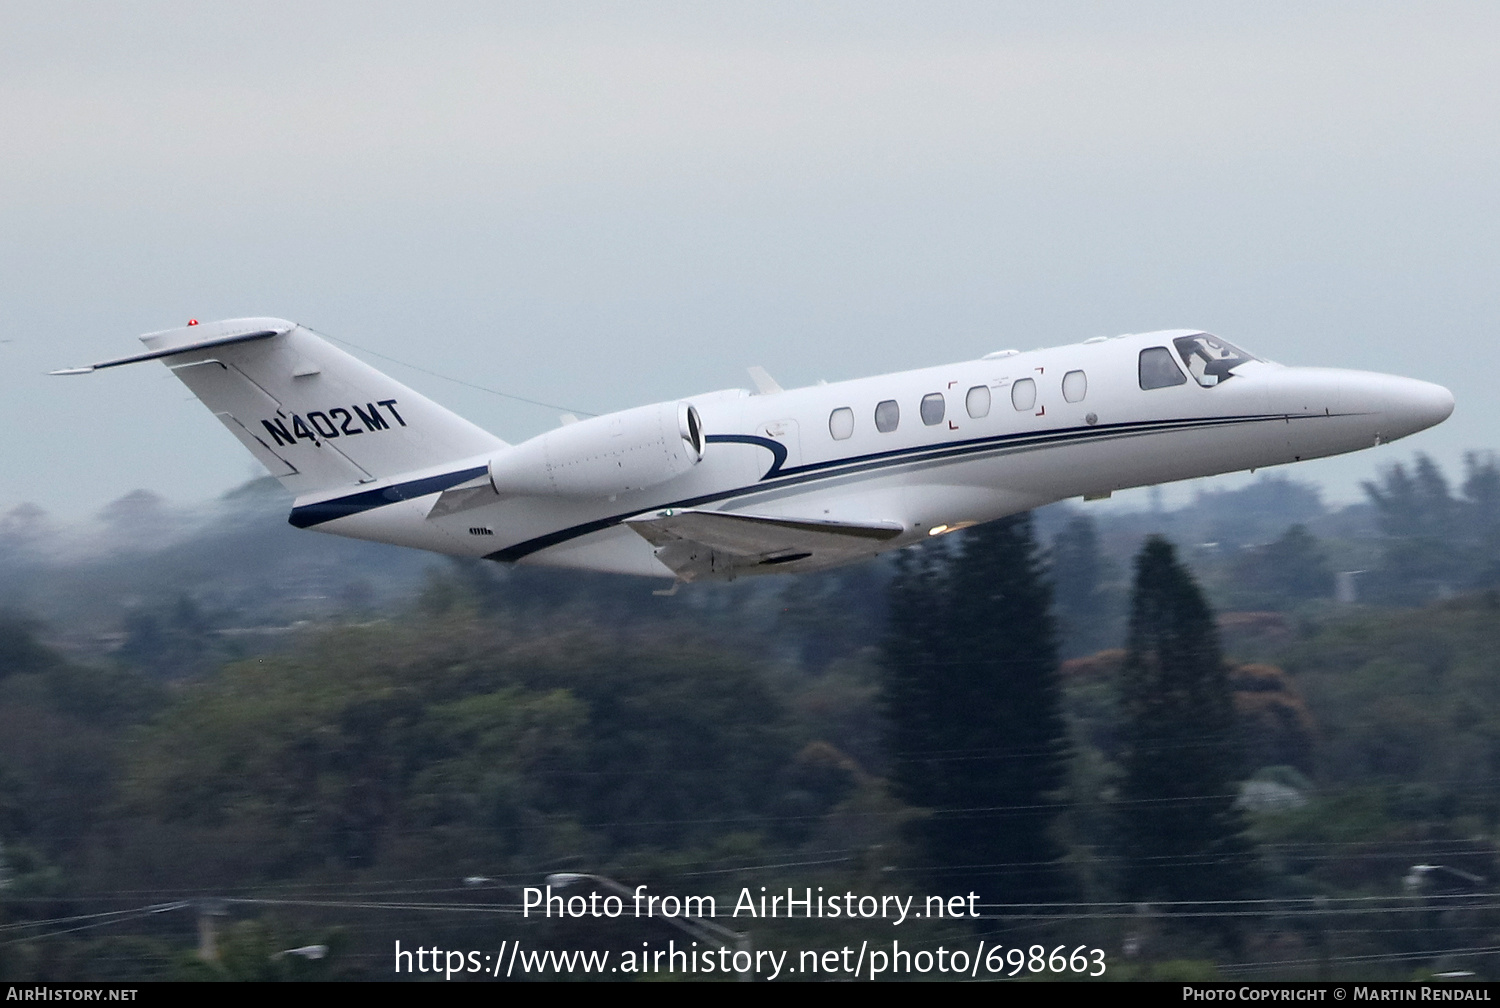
(692, 542)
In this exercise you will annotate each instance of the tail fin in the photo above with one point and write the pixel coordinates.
(319, 419)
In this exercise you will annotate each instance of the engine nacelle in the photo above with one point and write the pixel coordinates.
(604, 455)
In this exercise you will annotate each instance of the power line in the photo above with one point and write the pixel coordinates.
(456, 381)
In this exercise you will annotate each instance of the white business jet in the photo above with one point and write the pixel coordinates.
(732, 483)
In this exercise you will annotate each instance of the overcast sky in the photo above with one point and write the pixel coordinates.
(608, 204)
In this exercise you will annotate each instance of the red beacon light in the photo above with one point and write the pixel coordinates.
(192, 321)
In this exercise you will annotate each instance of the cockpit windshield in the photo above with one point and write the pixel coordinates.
(1210, 360)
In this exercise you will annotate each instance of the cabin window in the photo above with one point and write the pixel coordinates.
(1209, 359)
(933, 408)
(977, 402)
(841, 423)
(1075, 386)
(887, 416)
(1158, 370)
(1023, 394)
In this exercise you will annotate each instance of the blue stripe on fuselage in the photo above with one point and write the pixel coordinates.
(342, 507)
(776, 476)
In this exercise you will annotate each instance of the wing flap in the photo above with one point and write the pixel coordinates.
(687, 539)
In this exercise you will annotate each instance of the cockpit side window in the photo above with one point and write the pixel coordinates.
(1210, 360)
(1158, 370)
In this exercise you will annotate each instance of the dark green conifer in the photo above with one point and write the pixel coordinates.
(1182, 833)
(976, 730)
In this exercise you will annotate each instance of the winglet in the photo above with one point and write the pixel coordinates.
(764, 383)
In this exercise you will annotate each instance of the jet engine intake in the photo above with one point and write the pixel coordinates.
(604, 455)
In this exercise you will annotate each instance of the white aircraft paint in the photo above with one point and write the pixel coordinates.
(732, 483)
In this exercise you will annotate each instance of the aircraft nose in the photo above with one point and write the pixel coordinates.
(1404, 405)
(1429, 405)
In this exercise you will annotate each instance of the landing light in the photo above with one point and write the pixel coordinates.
(937, 530)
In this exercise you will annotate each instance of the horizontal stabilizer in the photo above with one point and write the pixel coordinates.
(693, 543)
(170, 351)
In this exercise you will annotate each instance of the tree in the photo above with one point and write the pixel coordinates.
(462, 742)
(1078, 571)
(1182, 832)
(20, 651)
(1482, 518)
(972, 697)
(1280, 575)
(1419, 519)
